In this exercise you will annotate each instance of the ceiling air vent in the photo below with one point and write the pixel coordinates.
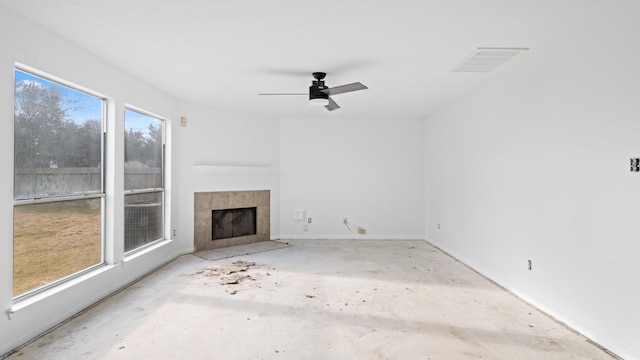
(487, 59)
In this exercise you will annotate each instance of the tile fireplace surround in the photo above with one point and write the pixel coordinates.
(205, 202)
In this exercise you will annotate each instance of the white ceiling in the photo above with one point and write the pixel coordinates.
(223, 53)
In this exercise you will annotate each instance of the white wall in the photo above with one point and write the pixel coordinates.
(23, 42)
(332, 168)
(368, 170)
(536, 167)
(225, 151)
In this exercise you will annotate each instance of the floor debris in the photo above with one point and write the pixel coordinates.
(234, 279)
(231, 274)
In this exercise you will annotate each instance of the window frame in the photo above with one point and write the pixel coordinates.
(84, 195)
(162, 190)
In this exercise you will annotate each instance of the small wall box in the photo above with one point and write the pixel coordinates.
(635, 164)
(299, 214)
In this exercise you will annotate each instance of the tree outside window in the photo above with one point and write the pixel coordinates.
(58, 191)
(144, 179)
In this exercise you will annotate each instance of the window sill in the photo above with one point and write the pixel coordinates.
(136, 253)
(20, 304)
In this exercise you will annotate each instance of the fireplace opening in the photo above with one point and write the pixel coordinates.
(229, 223)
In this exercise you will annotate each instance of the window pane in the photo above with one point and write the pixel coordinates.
(54, 240)
(143, 218)
(143, 151)
(58, 139)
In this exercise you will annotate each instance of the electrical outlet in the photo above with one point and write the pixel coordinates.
(345, 221)
(309, 220)
(361, 231)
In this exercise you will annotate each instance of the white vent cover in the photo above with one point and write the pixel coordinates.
(487, 59)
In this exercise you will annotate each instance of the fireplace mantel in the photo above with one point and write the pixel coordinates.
(232, 170)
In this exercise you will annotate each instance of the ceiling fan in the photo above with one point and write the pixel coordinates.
(319, 93)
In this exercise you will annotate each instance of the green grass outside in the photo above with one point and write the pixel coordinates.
(54, 240)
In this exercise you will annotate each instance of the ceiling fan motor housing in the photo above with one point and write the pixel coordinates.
(315, 90)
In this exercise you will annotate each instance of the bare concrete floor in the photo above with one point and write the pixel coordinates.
(321, 299)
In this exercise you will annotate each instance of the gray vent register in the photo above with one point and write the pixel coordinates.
(487, 59)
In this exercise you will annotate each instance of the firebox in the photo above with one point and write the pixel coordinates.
(230, 223)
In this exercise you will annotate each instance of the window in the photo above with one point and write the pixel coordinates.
(58, 182)
(144, 180)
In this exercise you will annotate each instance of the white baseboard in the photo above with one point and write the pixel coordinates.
(348, 237)
(188, 250)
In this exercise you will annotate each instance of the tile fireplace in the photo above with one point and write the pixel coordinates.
(228, 218)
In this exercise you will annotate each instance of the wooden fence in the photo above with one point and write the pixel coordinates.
(64, 181)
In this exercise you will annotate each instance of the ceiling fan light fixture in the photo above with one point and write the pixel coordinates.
(316, 95)
(319, 102)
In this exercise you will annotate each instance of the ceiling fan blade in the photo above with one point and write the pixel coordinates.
(284, 94)
(332, 105)
(344, 88)
(284, 72)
